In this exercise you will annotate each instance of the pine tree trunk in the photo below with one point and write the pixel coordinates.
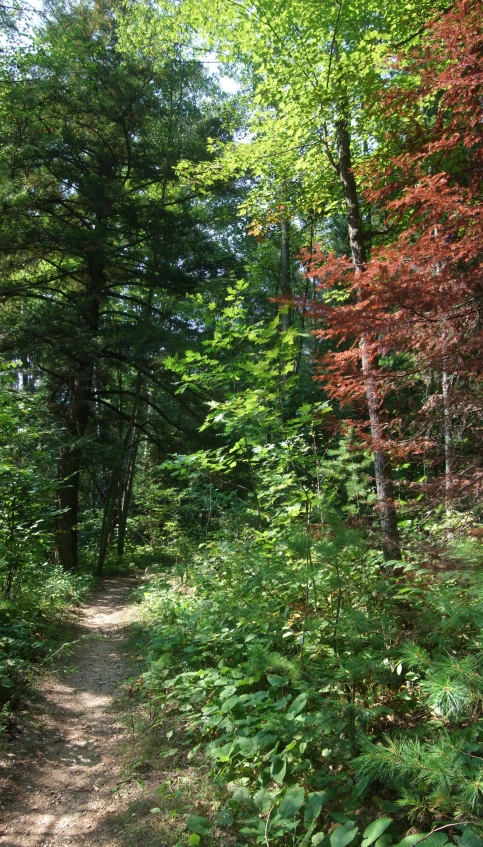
(125, 501)
(131, 446)
(107, 517)
(80, 392)
(67, 504)
(122, 481)
(382, 463)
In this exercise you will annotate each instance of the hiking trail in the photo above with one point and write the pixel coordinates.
(59, 772)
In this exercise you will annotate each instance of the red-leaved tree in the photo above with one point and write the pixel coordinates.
(420, 297)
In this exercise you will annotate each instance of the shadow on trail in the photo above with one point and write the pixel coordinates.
(60, 770)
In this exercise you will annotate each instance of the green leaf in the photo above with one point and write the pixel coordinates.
(171, 752)
(468, 839)
(221, 754)
(230, 703)
(292, 801)
(251, 830)
(275, 680)
(386, 805)
(198, 824)
(297, 705)
(241, 795)
(384, 840)
(194, 840)
(343, 835)
(374, 830)
(437, 839)
(410, 840)
(228, 692)
(313, 806)
(360, 787)
(263, 800)
(278, 769)
(340, 817)
(155, 811)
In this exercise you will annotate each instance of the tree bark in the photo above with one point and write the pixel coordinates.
(125, 501)
(107, 519)
(448, 448)
(382, 462)
(123, 478)
(78, 412)
(285, 265)
(67, 505)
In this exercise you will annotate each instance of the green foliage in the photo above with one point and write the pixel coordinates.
(284, 644)
(29, 626)
(281, 642)
(305, 693)
(34, 591)
(26, 517)
(99, 242)
(304, 65)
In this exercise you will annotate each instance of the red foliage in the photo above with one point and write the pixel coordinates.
(421, 295)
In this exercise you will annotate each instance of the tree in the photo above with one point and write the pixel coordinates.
(314, 70)
(420, 297)
(95, 221)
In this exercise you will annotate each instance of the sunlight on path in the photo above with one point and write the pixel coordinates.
(60, 791)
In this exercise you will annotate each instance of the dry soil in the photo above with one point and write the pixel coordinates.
(60, 770)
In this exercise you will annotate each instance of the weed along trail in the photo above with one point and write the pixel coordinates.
(60, 768)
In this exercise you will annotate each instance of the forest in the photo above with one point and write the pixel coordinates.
(241, 331)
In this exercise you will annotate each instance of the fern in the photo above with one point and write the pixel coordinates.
(468, 552)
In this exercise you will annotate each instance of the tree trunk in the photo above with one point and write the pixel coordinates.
(67, 504)
(286, 279)
(382, 462)
(125, 501)
(118, 489)
(131, 446)
(445, 385)
(107, 521)
(448, 449)
(80, 391)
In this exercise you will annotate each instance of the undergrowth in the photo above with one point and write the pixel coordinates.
(29, 627)
(338, 702)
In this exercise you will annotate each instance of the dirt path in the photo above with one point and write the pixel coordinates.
(60, 772)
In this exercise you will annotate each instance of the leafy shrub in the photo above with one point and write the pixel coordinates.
(29, 627)
(303, 676)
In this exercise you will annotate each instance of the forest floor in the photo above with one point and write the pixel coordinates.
(78, 769)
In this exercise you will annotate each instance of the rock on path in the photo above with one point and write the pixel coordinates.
(57, 777)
